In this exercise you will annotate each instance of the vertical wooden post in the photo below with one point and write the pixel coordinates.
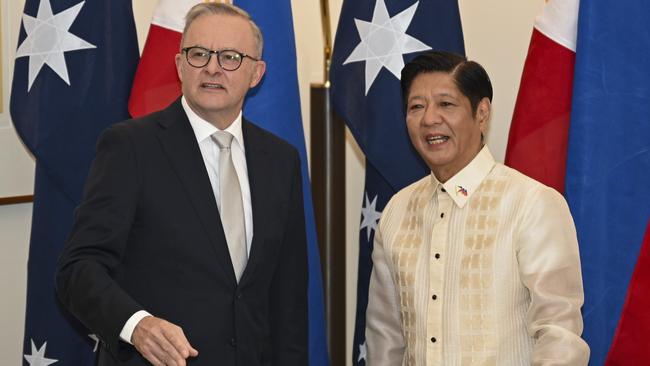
(328, 192)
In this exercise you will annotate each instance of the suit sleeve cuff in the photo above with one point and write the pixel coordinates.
(129, 326)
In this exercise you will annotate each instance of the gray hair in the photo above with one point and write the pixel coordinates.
(224, 9)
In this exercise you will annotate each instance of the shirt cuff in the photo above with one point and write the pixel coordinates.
(129, 326)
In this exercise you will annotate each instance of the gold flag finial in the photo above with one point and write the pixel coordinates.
(327, 38)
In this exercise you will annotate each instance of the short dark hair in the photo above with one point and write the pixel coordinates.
(471, 78)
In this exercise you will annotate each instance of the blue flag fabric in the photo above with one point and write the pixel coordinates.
(373, 41)
(608, 161)
(72, 77)
(377, 193)
(275, 106)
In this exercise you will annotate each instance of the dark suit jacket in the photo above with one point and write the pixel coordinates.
(148, 237)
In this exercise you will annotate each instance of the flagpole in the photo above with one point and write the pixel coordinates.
(327, 38)
(328, 192)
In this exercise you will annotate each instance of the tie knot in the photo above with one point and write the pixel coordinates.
(223, 139)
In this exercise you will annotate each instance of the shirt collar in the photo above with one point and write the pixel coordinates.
(461, 186)
(204, 129)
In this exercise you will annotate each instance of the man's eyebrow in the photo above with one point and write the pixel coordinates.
(443, 94)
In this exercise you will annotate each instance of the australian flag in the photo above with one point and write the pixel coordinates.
(373, 41)
(73, 72)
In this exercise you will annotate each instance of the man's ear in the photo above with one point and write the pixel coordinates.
(258, 72)
(179, 61)
(483, 112)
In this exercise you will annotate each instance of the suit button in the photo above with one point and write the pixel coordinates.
(233, 342)
(239, 296)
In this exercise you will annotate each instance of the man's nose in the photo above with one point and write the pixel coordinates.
(213, 66)
(432, 116)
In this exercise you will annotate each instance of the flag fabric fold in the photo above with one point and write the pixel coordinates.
(373, 41)
(580, 125)
(73, 72)
(156, 82)
(630, 342)
(540, 122)
(608, 165)
(274, 105)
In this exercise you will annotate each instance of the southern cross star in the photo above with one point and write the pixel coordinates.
(370, 215)
(96, 340)
(362, 352)
(37, 358)
(48, 38)
(384, 41)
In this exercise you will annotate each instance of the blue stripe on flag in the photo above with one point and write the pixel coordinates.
(275, 106)
(608, 160)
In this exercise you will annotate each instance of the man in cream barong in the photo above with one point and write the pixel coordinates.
(475, 264)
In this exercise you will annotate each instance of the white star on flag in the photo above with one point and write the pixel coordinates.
(384, 41)
(370, 215)
(362, 352)
(48, 38)
(37, 358)
(96, 339)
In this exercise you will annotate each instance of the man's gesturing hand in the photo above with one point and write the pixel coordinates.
(161, 342)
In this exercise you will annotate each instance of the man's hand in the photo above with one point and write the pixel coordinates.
(161, 342)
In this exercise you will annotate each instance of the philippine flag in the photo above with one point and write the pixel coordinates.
(540, 123)
(582, 125)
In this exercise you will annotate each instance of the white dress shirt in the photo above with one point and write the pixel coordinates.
(210, 151)
(203, 130)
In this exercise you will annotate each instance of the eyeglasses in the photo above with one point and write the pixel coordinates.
(229, 60)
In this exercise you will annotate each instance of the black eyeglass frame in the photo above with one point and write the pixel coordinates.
(218, 53)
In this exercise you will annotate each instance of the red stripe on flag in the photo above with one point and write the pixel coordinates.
(537, 142)
(156, 82)
(631, 343)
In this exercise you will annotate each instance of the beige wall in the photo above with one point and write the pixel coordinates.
(14, 238)
(496, 35)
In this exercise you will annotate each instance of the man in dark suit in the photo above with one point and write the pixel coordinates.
(190, 245)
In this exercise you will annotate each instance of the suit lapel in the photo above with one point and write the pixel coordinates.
(181, 148)
(257, 162)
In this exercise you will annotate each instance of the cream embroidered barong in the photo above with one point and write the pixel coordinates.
(481, 270)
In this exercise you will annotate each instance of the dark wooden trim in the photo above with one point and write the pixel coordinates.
(328, 193)
(16, 199)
